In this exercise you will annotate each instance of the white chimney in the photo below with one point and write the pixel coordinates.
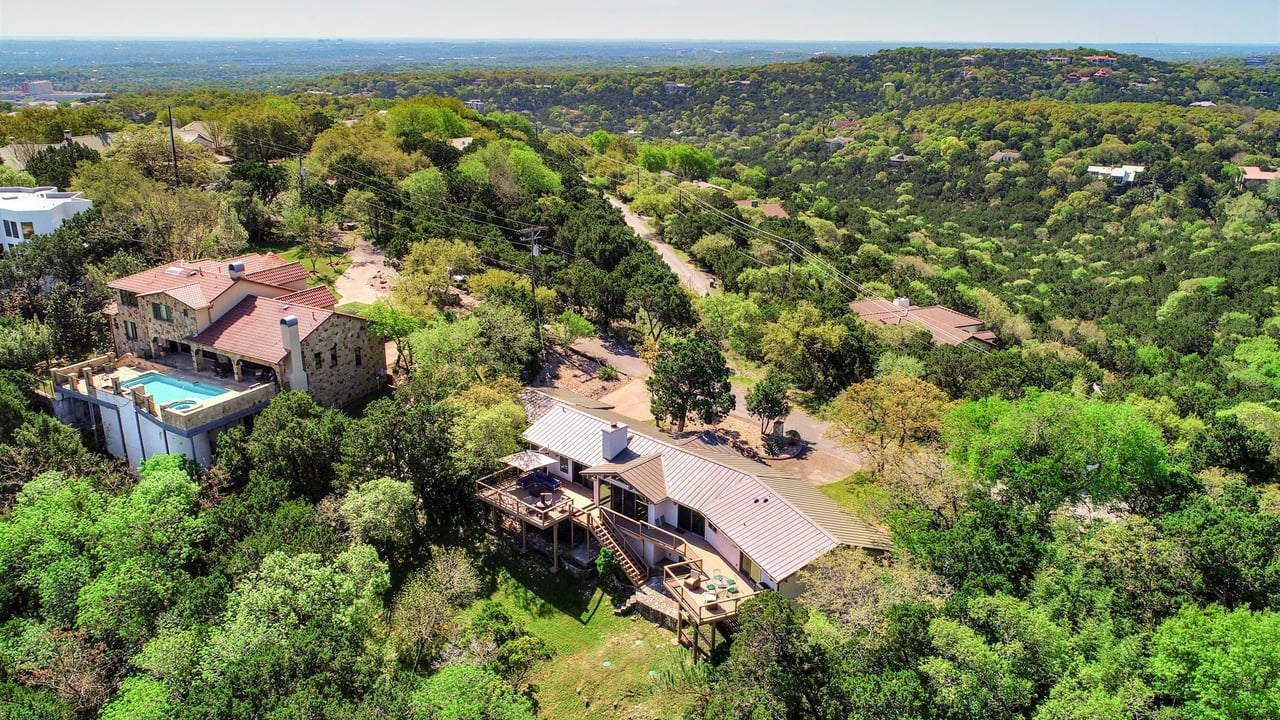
(235, 270)
(292, 343)
(613, 440)
(902, 302)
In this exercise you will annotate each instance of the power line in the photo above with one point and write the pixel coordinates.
(792, 247)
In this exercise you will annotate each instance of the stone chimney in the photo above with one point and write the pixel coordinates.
(235, 270)
(613, 440)
(292, 342)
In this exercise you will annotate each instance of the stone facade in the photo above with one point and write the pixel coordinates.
(183, 322)
(337, 344)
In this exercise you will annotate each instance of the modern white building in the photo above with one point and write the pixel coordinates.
(1123, 175)
(27, 212)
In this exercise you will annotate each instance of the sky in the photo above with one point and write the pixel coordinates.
(976, 21)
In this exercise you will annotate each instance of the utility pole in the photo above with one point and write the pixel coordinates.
(534, 234)
(173, 148)
(302, 177)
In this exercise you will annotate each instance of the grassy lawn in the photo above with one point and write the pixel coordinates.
(746, 373)
(859, 494)
(353, 308)
(322, 273)
(605, 666)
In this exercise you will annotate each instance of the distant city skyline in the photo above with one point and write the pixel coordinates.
(1095, 22)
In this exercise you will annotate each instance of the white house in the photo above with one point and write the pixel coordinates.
(27, 212)
(1122, 175)
(762, 523)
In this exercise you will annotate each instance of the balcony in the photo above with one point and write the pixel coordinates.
(705, 597)
(541, 509)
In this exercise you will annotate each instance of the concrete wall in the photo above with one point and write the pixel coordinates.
(340, 337)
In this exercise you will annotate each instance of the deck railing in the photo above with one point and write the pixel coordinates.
(498, 489)
(645, 531)
(687, 583)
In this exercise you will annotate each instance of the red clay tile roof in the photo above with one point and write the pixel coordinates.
(316, 297)
(947, 326)
(252, 328)
(281, 275)
(1253, 172)
(198, 282)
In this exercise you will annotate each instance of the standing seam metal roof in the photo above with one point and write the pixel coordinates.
(732, 493)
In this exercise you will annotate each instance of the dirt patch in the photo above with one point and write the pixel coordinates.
(579, 374)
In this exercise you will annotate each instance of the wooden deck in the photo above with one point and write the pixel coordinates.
(543, 510)
(705, 597)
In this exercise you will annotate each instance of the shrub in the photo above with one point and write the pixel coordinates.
(607, 563)
(607, 373)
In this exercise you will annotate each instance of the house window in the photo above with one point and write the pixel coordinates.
(564, 465)
(629, 504)
(691, 520)
(319, 360)
(11, 229)
(130, 330)
(333, 355)
(359, 358)
(748, 568)
(7, 231)
(28, 231)
(160, 311)
(128, 299)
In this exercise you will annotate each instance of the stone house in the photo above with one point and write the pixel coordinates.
(229, 317)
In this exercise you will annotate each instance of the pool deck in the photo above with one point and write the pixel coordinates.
(237, 399)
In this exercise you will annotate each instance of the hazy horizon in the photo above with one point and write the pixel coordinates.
(1095, 22)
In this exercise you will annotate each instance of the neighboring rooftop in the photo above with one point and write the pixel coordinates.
(773, 210)
(1124, 173)
(1253, 172)
(24, 199)
(947, 326)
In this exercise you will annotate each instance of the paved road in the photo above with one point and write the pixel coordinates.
(693, 278)
(811, 429)
(368, 279)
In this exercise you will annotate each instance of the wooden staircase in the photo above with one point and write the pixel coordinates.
(634, 567)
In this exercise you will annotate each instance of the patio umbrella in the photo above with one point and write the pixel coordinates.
(527, 460)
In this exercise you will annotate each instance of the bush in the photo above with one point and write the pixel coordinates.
(607, 563)
(607, 373)
(793, 437)
(773, 445)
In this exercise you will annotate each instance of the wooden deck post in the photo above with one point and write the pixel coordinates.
(524, 536)
(555, 547)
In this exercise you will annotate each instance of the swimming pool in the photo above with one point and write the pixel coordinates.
(166, 389)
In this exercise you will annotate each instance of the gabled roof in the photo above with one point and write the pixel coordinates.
(252, 328)
(317, 297)
(279, 275)
(947, 326)
(1253, 172)
(198, 282)
(770, 209)
(780, 521)
(644, 474)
